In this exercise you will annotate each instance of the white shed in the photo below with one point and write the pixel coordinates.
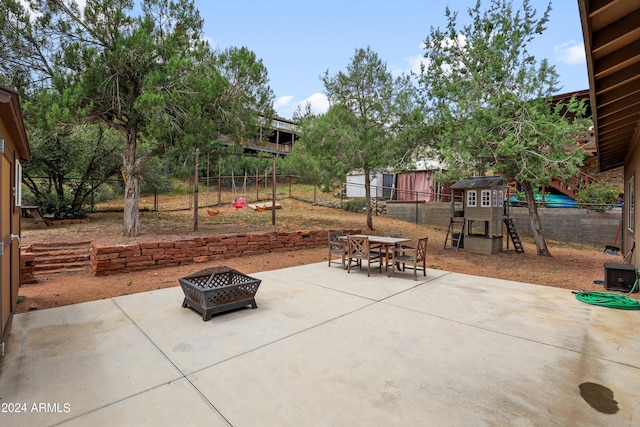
(381, 184)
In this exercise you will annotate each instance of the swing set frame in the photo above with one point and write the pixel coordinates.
(196, 179)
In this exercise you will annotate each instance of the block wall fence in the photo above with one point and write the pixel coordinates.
(582, 226)
(113, 259)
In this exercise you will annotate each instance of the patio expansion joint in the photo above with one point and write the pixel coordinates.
(286, 337)
(340, 291)
(374, 300)
(372, 303)
(186, 375)
(182, 375)
(125, 398)
(417, 285)
(471, 325)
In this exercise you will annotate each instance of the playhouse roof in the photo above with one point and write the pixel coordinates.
(477, 182)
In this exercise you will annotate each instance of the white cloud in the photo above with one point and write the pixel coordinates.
(318, 101)
(461, 40)
(415, 62)
(283, 101)
(285, 105)
(33, 15)
(413, 65)
(212, 42)
(570, 52)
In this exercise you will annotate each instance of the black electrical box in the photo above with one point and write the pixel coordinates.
(619, 277)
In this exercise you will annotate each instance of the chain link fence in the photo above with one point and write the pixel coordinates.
(165, 194)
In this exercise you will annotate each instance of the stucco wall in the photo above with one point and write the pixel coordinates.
(566, 225)
(632, 172)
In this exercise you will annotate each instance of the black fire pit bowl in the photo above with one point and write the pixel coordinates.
(218, 289)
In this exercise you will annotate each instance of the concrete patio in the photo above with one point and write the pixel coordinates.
(327, 348)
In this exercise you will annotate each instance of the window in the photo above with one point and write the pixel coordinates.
(486, 198)
(18, 183)
(630, 202)
(472, 199)
(495, 198)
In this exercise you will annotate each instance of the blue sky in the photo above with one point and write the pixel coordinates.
(298, 41)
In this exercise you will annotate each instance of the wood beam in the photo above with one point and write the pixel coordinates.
(619, 106)
(624, 28)
(619, 59)
(617, 79)
(618, 93)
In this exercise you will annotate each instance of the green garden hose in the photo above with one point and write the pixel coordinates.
(606, 299)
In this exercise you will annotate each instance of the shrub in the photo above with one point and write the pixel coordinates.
(105, 192)
(599, 194)
(61, 209)
(355, 205)
(51, 204)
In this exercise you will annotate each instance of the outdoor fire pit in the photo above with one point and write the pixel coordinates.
(218, 289)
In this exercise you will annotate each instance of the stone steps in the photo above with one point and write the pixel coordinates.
(57, 257)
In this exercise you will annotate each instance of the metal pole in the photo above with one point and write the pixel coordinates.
(416, 190)
(273, 195)
(195, 193)
(219, 181)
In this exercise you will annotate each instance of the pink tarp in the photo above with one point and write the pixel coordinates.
(410, 182)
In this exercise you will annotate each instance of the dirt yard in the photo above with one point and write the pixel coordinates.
(572, 267)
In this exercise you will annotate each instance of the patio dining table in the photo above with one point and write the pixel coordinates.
(387, 242)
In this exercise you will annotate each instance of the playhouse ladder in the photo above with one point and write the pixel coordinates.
(455, 242)
(513, 233)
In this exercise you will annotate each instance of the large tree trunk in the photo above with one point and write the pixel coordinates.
(132, 179)
(536, 227)
(367, 196)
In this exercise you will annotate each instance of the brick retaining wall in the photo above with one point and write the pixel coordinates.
(27, 265)
(112, 259)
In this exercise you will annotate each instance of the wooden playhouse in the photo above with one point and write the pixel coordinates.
(477, 214)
